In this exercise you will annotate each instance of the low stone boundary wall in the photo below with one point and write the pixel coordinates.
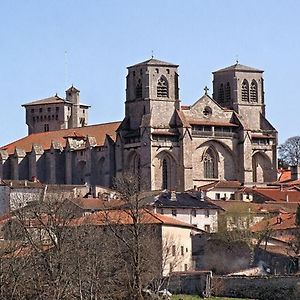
(193, 283)
(265, 287)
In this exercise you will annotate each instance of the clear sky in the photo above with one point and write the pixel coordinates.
(102, 37)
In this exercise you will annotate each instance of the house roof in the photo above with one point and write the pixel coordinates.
(239, 67)
(259, 208)
(50, 100)
(279, 194)
(154, 62)
(96, 203)
(45, 139)
(281, 222)
(123, 217)
(221, 184)
(180, 200)
(285, 175)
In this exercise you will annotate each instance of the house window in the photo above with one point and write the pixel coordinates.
(173, 250)
(57, 108)
(231, 196)
(32, 110)
(253, 91)
(218, 196)
(182, 250)
(168, 71)
(46, 127)
(49, 109)
(193, 212)
(33, 118)
(227, 91)
(207, 228)
(157, 70)
(41, 110)
(174, 212)
(245, 90)
(206, 213)
(185, 267)
(139, 89)
(162, 88)
(161, 211)
(56, 117)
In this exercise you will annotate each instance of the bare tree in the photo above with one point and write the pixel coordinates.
(289, 151)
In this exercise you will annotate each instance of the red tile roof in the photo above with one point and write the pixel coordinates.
(278, 194)
(284, 175)
(123, 217)
(281, 222)
(96, 203)
(222, 184)
(44, 139)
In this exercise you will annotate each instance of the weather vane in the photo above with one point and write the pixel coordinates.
(152, 54)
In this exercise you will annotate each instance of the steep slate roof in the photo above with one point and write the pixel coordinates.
(50, 100)
(239, 67)
(154, 62)
(44, 139)
(183, 200)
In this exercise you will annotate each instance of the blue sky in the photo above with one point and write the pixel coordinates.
(101, 38)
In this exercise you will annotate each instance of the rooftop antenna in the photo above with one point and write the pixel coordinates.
(66, 69)
(152, 54)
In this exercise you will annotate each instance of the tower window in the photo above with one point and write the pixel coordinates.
(245, 91)
(49, 109)
(227, 92)
(32, 110)
(139, 89)
(253, 91)
(41, 110)
(157, 70)
(168, 71)
(57, 108)
(221, 93)
(133, 73)
(162, 88)
(165, 174)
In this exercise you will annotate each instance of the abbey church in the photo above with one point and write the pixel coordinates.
(169, 145)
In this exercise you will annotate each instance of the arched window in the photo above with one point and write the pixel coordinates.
(221, 93)
(227, 91)
(245, 90)
(139, 89)
(253, 91)
(162, 88)
(210, 164)
(165, 174)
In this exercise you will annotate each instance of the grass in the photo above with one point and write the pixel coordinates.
(192, 297)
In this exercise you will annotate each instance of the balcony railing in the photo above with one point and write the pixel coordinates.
(212, 133)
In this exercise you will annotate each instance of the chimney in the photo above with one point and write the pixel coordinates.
(173, 196)
(295, 172)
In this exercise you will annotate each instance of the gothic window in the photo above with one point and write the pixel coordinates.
(165, 174)
(210, 164)
(139, 89)
(227, 91)
(253, 91)
(162, 88)
(221, 93)
(245, 91)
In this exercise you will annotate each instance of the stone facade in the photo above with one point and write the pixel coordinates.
(56, 113)
(169, 145)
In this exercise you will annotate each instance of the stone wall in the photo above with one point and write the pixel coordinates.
(267, 287)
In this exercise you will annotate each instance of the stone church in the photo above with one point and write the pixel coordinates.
(169, 145)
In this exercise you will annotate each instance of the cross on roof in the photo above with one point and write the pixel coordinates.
(206, 89)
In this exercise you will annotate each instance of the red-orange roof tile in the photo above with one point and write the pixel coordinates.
(44, 139)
